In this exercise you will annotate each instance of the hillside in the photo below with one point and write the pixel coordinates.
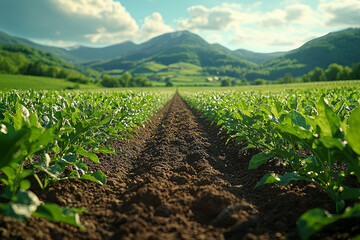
(342, 47)
(105, 53)
(257, 57)
(173, 48)
(60, 52)
(21, 59)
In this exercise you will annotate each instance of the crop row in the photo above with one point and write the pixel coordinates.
(314, 133)
(47, 134)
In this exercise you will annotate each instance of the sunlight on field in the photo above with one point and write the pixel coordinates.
(38, 83)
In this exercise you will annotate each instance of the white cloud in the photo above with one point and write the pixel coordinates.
(341, 13)
(152, 27)
(282, 26)
(296, 13)
(276, 18)
(88, 22)
(299, 13)
(67, 20)
(247, 26)
(200, 17)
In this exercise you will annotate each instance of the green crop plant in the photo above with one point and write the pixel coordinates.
(47, 135)
(313, 133)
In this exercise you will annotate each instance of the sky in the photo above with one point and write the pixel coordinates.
(259, 26)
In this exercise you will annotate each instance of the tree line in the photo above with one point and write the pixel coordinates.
(333, 72)
(125, 80)
(18, 59)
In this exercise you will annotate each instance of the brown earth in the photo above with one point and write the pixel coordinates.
(176, 179)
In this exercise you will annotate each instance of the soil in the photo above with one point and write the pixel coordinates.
(176, 179)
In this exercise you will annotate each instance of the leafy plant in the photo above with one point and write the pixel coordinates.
(313, 133)
(47, 135)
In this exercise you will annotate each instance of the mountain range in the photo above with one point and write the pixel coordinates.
(342, 47)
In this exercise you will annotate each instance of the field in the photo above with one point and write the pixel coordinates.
(180, 74)
(265, 162)
(39, 83)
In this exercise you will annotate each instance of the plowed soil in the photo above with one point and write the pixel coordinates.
(176, 179)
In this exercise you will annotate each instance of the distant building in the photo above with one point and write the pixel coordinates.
(213, 79)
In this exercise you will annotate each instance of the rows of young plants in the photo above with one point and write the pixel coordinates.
(315, 133)
(47, 135)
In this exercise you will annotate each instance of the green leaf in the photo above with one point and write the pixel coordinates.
(299, 120)
(259, 159)
(105, 150)
(25, 184)
(330, 142)
(53, 171)
(44, 161)
(327, 119)
(294, 134)
(10, 144)
(22, 117)
(278, 179)
(350, 193)
(24, 205)
(352, 134)
(268, 178)
(98, 177)
(92, 156)
(70, 158)
(312, 221)
(56, 213)
(315, 219)
(39, 139)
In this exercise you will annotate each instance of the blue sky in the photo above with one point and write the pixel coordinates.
(260, 26)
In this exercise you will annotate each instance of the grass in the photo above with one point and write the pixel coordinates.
(39, 83)
(278, 87)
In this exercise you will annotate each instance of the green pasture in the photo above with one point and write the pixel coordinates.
(39, 83)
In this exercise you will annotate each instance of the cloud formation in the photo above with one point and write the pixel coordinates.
(341, 13)
(104, 22)
(153, 25)
(81, 21)
(200, 17)
(286, 25)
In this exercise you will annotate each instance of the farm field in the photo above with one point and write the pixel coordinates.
(39, 83)
(180, 176)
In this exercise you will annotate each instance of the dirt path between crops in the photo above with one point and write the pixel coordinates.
(176, 179)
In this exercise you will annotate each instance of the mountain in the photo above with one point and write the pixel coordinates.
(21, 59)
(257, 57)
(105, 53)
(170, 48)
(342, 47)
(60, 52)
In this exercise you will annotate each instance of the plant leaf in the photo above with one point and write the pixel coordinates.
(56, 213)
(278, 179)
(98, 177)
(352, 135)
(24, 205)
(259, 159)
(315, 219)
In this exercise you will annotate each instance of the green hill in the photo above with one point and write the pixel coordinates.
(173, 48)
(148, 58)
(342, 47)
(105, 53)
(59, 52)
(257, 57)
(20, 59)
